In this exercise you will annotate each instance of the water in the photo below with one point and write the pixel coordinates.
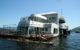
(71, 42)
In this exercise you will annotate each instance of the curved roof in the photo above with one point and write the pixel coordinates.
(23, 22)
(47, 13)
(61, 20)
(40, 16)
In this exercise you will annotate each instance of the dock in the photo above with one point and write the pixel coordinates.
(26, 39)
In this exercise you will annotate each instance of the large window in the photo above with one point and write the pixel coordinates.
(22, 30)
(38, 19)
(55, 30)
(52, 18)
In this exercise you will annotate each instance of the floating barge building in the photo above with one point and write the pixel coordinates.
(49, 24)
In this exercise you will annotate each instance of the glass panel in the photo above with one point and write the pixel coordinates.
(22, 30)
(52, 18)
(55, 30)
(37, 19)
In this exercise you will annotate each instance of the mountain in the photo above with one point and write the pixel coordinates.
(77, 29)
(10, 28)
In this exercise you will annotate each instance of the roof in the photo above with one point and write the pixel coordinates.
(61, 19)
(47, 13)
(40, 16)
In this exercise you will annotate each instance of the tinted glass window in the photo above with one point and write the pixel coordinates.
(55, 30)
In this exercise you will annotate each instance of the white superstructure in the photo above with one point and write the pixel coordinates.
(47, 23)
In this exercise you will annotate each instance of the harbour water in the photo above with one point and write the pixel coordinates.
(71, 42)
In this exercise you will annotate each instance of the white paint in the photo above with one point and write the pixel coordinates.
(63, 26)
(43, 25)
(36, 24)
(52, 29)
(40, 16)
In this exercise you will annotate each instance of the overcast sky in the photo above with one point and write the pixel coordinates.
(12, 10)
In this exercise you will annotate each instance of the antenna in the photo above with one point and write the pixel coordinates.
(61, 12)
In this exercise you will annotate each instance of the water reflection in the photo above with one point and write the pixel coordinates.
(60, 44)
(71, 42)
(34, 46)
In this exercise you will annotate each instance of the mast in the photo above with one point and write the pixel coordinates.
(61, 12)
(60, 9)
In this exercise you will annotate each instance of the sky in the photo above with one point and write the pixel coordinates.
(11, 11)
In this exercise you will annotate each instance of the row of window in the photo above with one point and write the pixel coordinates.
(50, 20)
(55, 30)
(35, 30)
(38, 19)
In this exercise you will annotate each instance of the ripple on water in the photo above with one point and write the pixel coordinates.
(71, 42)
